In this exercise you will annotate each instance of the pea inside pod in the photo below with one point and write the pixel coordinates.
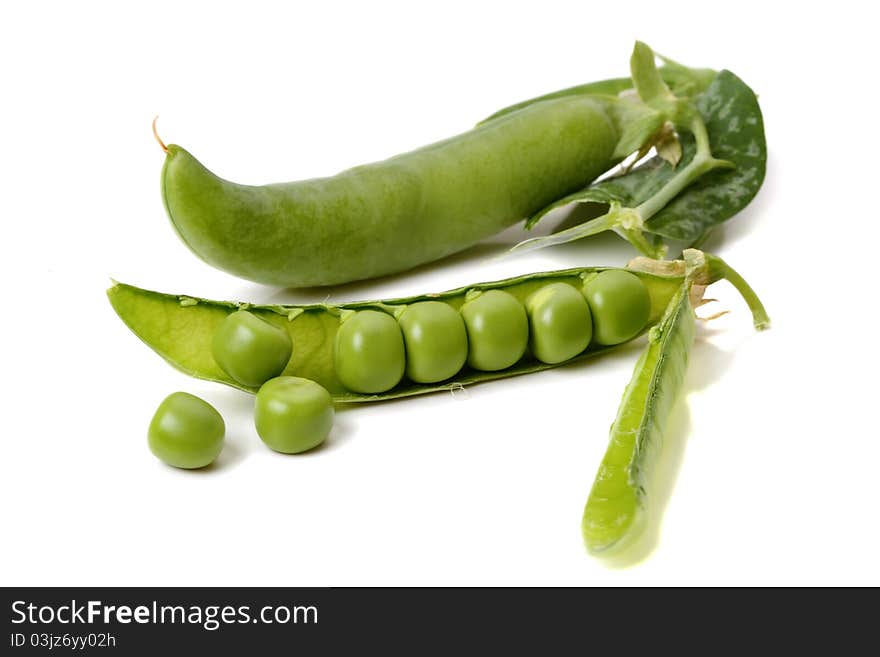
(560, 323)
(620, 306)
(436, 341)
(369, 354)
(497, 329)
(250, 349)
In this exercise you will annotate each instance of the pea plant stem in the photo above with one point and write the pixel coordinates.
(717, 269)
(608, 221)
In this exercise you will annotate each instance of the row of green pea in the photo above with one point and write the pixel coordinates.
(430, 341)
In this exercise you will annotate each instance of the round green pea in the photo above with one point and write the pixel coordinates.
(435, 339)
(369, 355)
(292, 414)
(497, 330)
(620, 305)
(186, 432)
(250, 349)
(560, 324)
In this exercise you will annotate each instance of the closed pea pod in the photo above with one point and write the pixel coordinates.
(497, 329)
(523, 161)
(436, 341)
(369, 354)
(560, 324)
(417, 207)
(620, 306)
(250, 349)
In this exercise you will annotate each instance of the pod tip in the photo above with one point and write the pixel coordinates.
(156, 135)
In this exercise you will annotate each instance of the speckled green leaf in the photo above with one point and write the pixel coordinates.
(736, 133)
(180, 329)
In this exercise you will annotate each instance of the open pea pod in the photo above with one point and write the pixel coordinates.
(180, 328)
(615, 511)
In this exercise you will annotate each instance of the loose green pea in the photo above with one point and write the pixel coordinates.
(369, 355)
(250, 349)
(497, 329)
(620, 305)
(560, 324)
(436, 341)
(186, 432)
(292, 414)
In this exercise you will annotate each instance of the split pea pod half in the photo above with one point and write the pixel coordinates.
(615, 512)
(376, 350)
(417, 207)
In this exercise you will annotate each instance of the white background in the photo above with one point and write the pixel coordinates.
(776, 438)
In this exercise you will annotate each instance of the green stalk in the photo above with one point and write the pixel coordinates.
(717, 269)
(607, 221)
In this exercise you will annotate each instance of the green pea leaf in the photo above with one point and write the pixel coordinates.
(736, 133)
